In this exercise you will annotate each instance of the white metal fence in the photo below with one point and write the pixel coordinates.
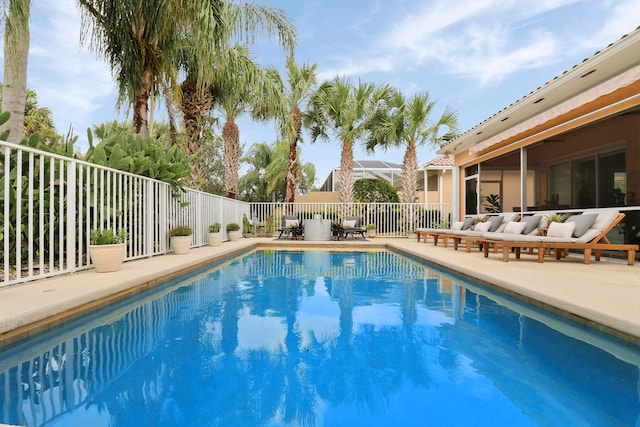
(50, 203)
(389, 219)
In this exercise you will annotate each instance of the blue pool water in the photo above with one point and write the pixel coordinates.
(276, 338)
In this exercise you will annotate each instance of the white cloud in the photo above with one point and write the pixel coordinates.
(485, 41)
(67, 77)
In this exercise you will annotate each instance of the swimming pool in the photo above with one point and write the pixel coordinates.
(312, 338)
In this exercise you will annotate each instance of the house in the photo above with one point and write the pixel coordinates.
(433, 183)
(571, 144)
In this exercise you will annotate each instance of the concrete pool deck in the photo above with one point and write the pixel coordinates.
(605, 294)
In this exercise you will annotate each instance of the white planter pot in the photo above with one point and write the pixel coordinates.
(181, 244)
(214, 239)
(107, 258)
(234, 235)
(371, 233)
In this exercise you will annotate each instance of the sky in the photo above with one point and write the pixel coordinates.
(474, 56)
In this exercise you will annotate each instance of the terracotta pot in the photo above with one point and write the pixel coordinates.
(107, 258)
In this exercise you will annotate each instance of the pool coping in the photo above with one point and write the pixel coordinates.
(30, 308)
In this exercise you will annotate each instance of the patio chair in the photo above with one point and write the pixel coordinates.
(353, 225)
(258, 226)
(288, 222)
(586, 232)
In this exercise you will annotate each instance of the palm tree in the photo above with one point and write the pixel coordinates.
(344, 110)
(301, 81)
(236, 21)
(16, 53)
(254, 185)
(141, 40)
(243, 87)
(278, 172)
(407, 122)
(38, 119)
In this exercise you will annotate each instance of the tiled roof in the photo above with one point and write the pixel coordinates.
(440, 161)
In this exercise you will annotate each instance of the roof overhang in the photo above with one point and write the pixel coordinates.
(612, 69)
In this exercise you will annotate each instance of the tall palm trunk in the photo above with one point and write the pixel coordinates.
(196, 104)
(141, 106)
(409, 173)
(16, 53)
(292, 176)
(231, 138)
(345, 189)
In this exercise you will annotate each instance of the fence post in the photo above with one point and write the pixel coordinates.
(71, 215)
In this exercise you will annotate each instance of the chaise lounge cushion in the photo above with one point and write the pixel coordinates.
(467, 223)
(288, 223)
(495, 222)
(582, 223)
(514, 227)
(561, 229)
(482, 226)
(532, 223)
(457, 225)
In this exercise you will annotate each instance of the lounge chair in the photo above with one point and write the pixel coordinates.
(353, 225)
(288, 221)
(436, 233)
(494, 224)
(586, 232)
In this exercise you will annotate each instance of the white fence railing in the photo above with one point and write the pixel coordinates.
(50, 203)
(390, 219)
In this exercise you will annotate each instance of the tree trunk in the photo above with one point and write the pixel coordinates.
(141, 106)
(345, 182)
(196, 104)
(292, 176)
(16, 54)
(409, 173)
(231, 138)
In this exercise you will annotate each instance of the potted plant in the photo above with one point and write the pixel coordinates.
(246, 227)
(106, 249)
(337, 230)
(554, 217)
(180, 239)
(371, 230)
(297, 231)
(214, 237)
(233, 231)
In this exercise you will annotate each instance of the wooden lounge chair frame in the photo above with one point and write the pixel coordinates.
(595, 246)
(436, 234)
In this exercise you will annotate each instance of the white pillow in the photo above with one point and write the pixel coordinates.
(349, 224)
(290, 223)
(515, 227)
(482, 226)
(561, 229)
(457, 225)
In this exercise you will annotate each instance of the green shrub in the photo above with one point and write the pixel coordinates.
(180, 230)
(374, 190)
(233, 226)
(106, 236)
(215, 228)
